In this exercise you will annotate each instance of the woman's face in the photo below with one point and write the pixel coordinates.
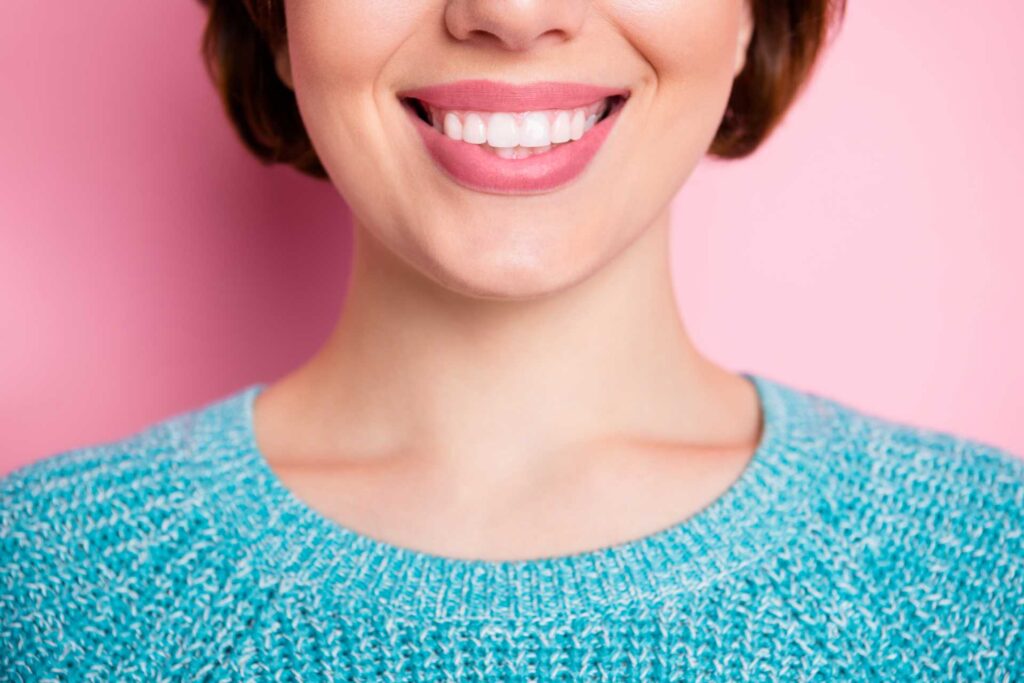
(460, 211)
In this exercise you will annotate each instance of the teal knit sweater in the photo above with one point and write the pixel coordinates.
(851, 548)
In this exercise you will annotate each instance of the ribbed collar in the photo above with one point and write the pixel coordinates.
(757, 515)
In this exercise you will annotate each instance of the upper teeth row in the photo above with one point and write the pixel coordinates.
(516, 129)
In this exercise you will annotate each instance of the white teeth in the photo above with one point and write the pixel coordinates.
(502, 130)
(576, 126)
(517, 135)
(474, 130)
(452, 126)
(535, 130)
(560, 129)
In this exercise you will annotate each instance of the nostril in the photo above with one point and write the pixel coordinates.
(516, 41)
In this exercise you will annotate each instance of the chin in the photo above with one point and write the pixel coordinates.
(509, 275)
(504, 259)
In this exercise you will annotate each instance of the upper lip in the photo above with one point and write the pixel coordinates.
(486, 95)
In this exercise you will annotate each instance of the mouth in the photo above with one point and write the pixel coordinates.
(513, 139)
(515, 134)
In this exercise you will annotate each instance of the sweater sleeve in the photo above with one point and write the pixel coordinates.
(80, 532)
(993, 553)
(41, 594)
(948, 517)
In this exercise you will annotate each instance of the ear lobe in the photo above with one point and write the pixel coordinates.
(283, 65)
(745, 34)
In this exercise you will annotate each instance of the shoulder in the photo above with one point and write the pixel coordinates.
(121, 475)
(93, 482)
(857, 459)
(923, 471)
(86, 533)
(899, 484)
(931, 525)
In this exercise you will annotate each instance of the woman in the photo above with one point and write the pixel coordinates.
(509, 461)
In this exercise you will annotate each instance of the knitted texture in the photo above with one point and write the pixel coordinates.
(850, 548)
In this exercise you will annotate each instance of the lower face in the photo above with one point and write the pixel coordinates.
(506, 191)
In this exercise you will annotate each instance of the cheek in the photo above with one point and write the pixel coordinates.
(682, 38)
(340, 51)
(345, 41)
(340, 54)
(690, 48)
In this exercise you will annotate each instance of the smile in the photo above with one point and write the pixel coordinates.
(505, 138)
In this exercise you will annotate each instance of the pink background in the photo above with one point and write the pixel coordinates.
(871, 251)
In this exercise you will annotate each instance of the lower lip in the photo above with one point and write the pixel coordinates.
(479, 169)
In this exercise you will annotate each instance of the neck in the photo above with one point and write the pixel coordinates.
(412, 367)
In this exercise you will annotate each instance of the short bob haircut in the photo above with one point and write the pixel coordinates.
(241, 37)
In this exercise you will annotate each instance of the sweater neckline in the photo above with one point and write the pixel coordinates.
(746, 521)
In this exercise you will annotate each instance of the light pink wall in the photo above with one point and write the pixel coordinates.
(870, 251)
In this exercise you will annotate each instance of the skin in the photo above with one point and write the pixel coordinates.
(507, 370)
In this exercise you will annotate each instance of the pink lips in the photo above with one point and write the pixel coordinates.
(480, 169)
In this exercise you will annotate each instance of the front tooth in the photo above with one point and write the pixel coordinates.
(561, 131)
(505, 152)
(576, 126)
(452, 126)
(474, 130)
(502, 131)
(535, 130)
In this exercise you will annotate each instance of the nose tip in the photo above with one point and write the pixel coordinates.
(515, 25)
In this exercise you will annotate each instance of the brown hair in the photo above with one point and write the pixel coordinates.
(241, 37)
